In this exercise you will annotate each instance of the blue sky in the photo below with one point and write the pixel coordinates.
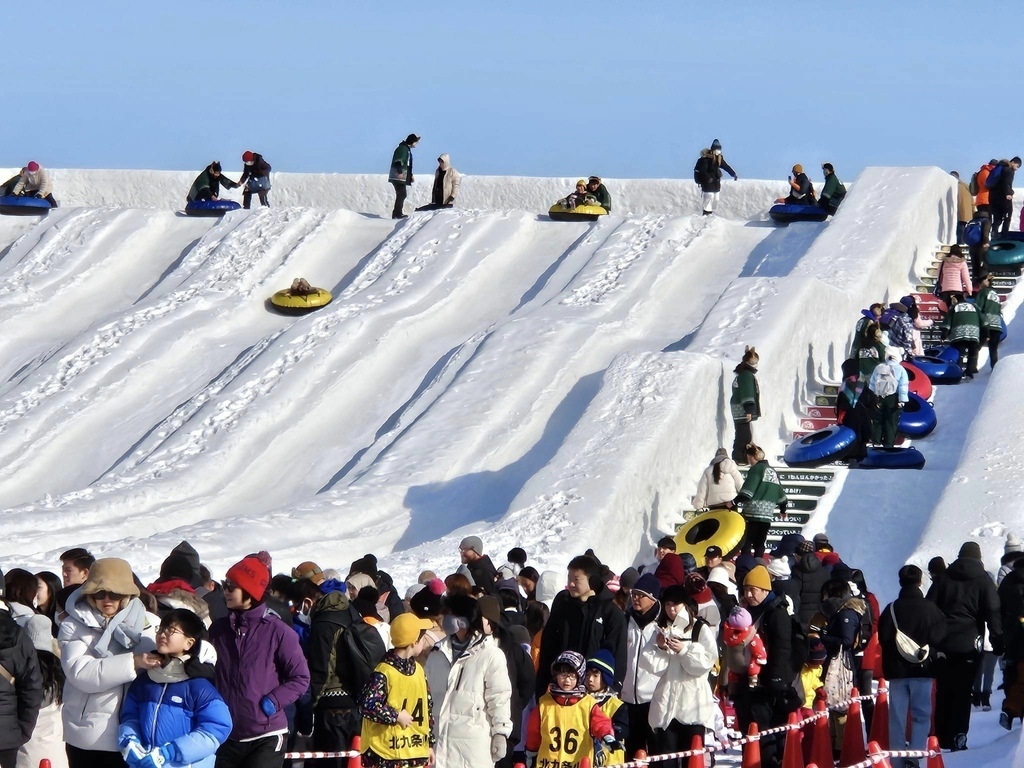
(620, 89)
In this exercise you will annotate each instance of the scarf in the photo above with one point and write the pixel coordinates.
(171, 672)
(125, 628)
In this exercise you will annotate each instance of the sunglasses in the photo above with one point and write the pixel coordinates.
(106, 595)
(229, 586)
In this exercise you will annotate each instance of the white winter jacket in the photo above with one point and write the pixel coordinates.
(710, 493)
(638, 684)
(95, 686)
(31, 183)
(452, 178)
(683, 693)
(476, 706)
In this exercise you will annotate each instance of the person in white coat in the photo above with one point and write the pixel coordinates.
(105, 640)
(446, 186)
(681, 653)
(638, 684)
(719, 484)
(47, 740)
(35, 181)
(474, 720)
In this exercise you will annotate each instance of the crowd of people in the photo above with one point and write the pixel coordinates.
(489, 665)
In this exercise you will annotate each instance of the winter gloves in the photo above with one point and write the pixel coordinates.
(158, 757)
(499, 746)
(138, 757)
(131, 750)
(268, 706)
(604, 748)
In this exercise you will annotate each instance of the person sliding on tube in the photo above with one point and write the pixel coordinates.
(207, 184)
(600, 192)
(34, 181)
(801, 191)
(255, 177)
(580, 197)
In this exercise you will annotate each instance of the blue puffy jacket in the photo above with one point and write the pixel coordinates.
(189, 713)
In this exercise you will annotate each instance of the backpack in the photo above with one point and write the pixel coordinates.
(357, 650)
(994, 177)
(973, 232)
(864, 631)
(701, 173)
(885, 381)
(973, 186)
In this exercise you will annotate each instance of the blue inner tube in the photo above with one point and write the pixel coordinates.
(945, 352)
(23, 205)
(1015, 235)
(917, 418)
(1005, 253)
(821, 447)
(892, 458)
(783, 213)
(211, 207)
(938, 370)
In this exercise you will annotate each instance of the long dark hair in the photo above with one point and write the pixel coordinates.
(53, 677)
(716, 472)
(53, 585)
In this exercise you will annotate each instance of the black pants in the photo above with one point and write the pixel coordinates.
(766, 708)
(333, 730)
(977, 254)
(954, 683)
(204, 194)
(89, 758)
(1002, 212)
(267, 752)
(960, 227)
(676, 738)
(754, 537)
(639, 728)
(743, 436)
(434, 207)
(968, 349)
(400, 192)
(8, 758)
(247, 198)
(992, 338)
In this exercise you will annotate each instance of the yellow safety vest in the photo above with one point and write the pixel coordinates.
(392, 742)
(610, 706)
(565, 732)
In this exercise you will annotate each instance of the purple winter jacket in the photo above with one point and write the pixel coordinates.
(257, 655)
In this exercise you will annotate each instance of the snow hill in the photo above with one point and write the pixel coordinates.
(482, 370)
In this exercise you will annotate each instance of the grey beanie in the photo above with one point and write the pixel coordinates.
(472, 542)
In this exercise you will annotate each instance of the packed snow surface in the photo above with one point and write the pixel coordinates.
(481, 370)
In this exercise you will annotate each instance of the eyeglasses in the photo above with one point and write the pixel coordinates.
(169, 631)
(106, 595)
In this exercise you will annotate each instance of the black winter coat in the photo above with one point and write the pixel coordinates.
(843, 625)
(1003, 186)
(776, 629)
(484, 574)
(584, 627)
(811, 576)
(259, 167)
(918, 618)
(788, 588)
(1011, 611)
(522, 677)
(19, 704)
(967, 596)
(337, 669)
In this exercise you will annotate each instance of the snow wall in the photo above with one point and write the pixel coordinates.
(632, 463)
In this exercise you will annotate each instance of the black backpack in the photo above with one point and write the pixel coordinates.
(973, 186)
(358, 649)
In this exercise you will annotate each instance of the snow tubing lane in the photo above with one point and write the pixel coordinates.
(210, 207)
(299, 304)
(23, 206)
(719, 527)
(945, 352)
(784, 213)
(938, 370)
(917, 418)
(919, 383)
(822, 447)
(579, 213)
(1005, 253)
(892, 458)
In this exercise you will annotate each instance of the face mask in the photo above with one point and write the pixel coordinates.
(452, 624)
(303, 618)
(718, 152)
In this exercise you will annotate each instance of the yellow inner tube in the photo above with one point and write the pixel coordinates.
(593, 210)
(720, 527)
(288, 300)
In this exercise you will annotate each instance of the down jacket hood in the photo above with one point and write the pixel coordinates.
(548, 587)
(446, 162)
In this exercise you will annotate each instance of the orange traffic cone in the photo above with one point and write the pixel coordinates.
(356, 761)
(752, 749)
(44, 763)
(880, 721)
(936, 760)
(793, 756)
(853, 737)
(821, 739)
(641, 754)
(697, 758)
(874, 749)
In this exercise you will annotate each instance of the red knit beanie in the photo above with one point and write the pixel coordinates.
(251, 575)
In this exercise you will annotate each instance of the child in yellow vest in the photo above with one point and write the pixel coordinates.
(567, 721)
(600, 685)
(398, 713)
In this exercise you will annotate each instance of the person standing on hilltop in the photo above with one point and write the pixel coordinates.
(745, 403)
(708, 174)
(400, 175)
(255, 178)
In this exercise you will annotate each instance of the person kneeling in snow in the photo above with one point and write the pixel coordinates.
(34, 181)
(207, 184)
(446, 185)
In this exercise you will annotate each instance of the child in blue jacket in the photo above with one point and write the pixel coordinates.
(173, 716)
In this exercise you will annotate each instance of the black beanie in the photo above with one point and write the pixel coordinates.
(176, 567)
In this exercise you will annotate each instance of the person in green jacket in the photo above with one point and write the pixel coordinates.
(870, 315)
(833, 192)
(761, 494)
(990, 310)
(870, 350)
(400, 175)
(207, 184)
(745, 403)
(600, 192)
(961, 328)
